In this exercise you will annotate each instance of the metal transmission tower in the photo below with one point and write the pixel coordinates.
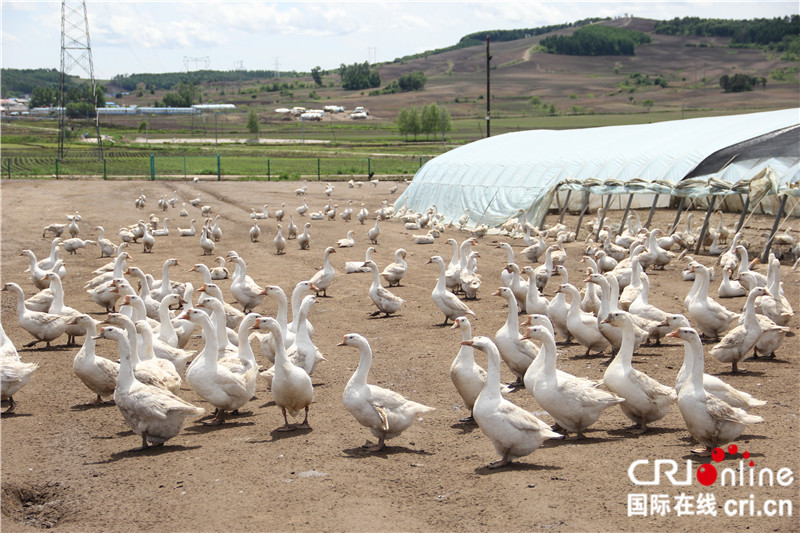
(76, 54)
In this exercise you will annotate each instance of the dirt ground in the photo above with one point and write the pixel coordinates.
(68, 466)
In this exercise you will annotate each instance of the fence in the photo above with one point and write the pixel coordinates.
(132, 165)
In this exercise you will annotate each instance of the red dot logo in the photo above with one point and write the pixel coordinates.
(717, 455)
(733, 449)
(746, 455)
(707, 474)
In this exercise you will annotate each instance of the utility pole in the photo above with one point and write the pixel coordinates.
(488, 88)
(76, 51)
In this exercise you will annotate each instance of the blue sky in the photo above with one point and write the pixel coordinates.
(158, 36)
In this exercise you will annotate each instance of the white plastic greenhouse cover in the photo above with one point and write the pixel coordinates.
(498, 176)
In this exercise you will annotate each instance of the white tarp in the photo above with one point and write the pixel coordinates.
(498, 176)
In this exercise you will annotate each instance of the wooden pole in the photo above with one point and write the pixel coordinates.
(765, 254)
(564, 207)
(677, 215)
(625, 214)
(652, 210)
(583, 212)
(704, 229)
(745, 207)
(602, 218)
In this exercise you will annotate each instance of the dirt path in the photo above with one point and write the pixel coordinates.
(68, 466)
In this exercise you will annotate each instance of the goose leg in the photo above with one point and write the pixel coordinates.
(96, 401)
(217, 420)
(702, 452)
(11, 406)
(287, 426)
(304, 425)
(501, 463)
(642, 427)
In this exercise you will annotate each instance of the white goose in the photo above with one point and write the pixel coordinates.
(738, 342)
(188, 232)
(44, 327)
(776, 307)
(57, 307)
(583, 326)
(518, 285)
(324, 277)
(97, 373)
(515, 352)
(279, 241)
(158, 373)
(558, 309)
(304, 239)
(245, 290)
(469, 277)
(535, 303)
(206, 244)
(386, 413)
(446, 301)
(574, 403)
(224, 389)
(514, 432)
(386, 302)
(711, 421)
(155, 414)
(347, 242)
(712, 384)
(730, 288)
(219, 272)
(467, 376)
(7, 349)
(266, 340)
(38, 275)
(374, 232)
(232, 315)
(646, 400)
(711, 317)
(355, 267)
(300, 291)
(291, 229)
(291, 386)
(395, 272)
(14, 374)
(505, 274)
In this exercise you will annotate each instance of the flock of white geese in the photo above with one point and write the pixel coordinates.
(611, 315)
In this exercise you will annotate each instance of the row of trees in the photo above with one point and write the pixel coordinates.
(741, 82)
(431, 119)
(359, 76)
(741, 32)
(596, 41)
(78, 98)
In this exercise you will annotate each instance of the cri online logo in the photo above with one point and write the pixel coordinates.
(707, 473)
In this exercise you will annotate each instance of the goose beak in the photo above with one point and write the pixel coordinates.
(98, 336)
(256, 325)
(466, 343)
(674, 334)
(528, 321)
(588, 280)
(664, 323)
(606, 320)
(497, 292)
(184, 315)
(343, 343)
(73, 321)
(455, 325)
(314, 287)
(426, 262)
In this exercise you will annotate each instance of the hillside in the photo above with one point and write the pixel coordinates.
(690, 67)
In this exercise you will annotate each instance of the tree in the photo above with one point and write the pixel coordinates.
(359, 76)
(44, 97)
(408, 122)
(184, 96)
(647, 104)
(415, 81)
(252, 123)
(316, 73)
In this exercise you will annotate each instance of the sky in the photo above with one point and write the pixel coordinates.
(136, 36)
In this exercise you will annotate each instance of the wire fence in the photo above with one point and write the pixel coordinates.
(132, 165)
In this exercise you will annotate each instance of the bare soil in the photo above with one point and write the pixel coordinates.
(68, 466)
